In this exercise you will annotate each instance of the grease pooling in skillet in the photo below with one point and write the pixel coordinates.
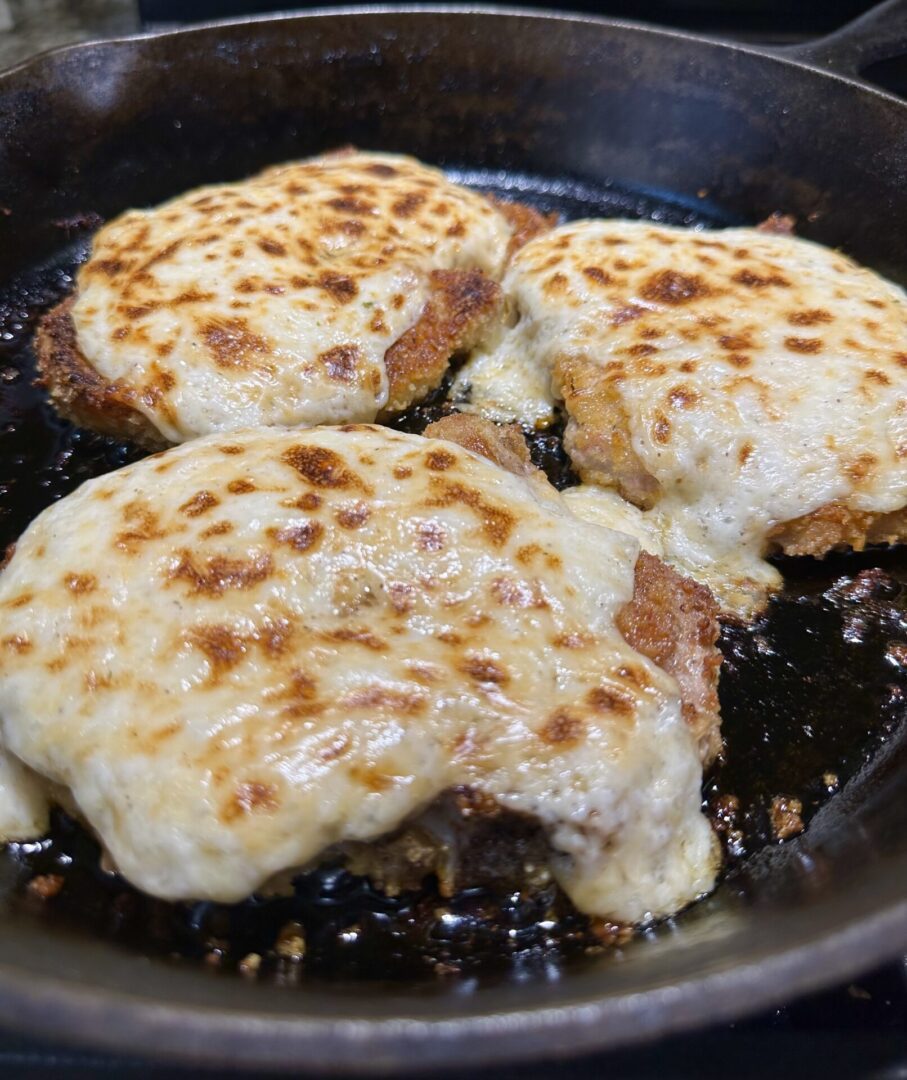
(347, 928)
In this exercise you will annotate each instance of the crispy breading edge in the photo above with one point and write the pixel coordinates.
(78, 392)
(460, 305)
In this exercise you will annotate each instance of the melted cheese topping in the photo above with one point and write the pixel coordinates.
(273, 301)
(761, 377)
(506, 379)
(606, 508)
(24, 805)
(243, 651)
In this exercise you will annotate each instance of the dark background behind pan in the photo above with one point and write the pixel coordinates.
(98, 128)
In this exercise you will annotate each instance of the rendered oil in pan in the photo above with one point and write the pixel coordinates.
(808, 695)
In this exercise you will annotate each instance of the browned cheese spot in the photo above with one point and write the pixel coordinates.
(404, 472)
(609, 699)
(108, 267)
(803, 345)
(358, 635)
(339, 286)
(380, 169)
(301, 695)
(409, 204)
(634, 675)
(272, 247)
(300, 536)
(751, 280)
(562, 729)
(683, 397)
(191, 296)
(274, 636)
(744, 453)
(876, 376)
(370, 777)
(18, 643)
(220, 528)
(402, 597)
(735, 342)
(223, 647)
(219, 573)
(811, 317)
(497, 523)
(861, 467)
(251, 797)
(485, 671)
(232, 344)
(596, 275)
(439, 460)
(674, 288)
(642, 348)
(232, 451)
(78, 584)
(320, 466)
(352, 516)
(200, 502)
(241, 487)
(341, 362)
(307, 501)
(144, 527)
(350, 205)
(626, 314)
(661, 429)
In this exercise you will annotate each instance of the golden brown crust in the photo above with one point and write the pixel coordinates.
(526, 222)
(674, 622)
(837, 526)
(79, 393)
(503, 444)
(460, 305)
(597, 437)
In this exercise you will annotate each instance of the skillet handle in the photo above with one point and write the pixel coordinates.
(879, 34)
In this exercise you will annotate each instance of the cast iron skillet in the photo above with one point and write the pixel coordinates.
(100, 127)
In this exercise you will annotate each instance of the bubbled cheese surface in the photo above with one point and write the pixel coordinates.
(273, 301)
(240, 652)
(761, 376)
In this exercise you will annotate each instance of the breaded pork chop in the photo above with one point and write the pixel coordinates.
(745, 386)
(326, 290)
(243, 651)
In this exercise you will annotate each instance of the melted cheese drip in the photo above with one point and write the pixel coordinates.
(273, 301)
(606, 508)
(239, 653)
(762, 377)
(507, 380)
(24, 806)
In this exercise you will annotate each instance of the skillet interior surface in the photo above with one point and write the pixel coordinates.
(585, 118)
